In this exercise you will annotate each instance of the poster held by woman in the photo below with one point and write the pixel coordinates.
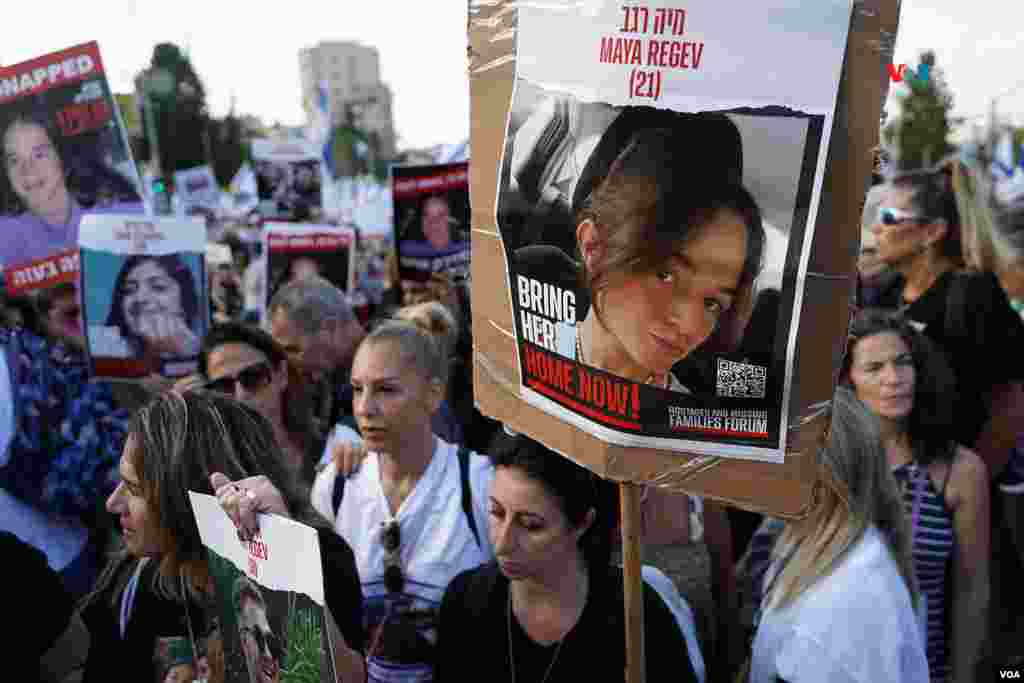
(270, 598)
(66, 155)
(144, 295)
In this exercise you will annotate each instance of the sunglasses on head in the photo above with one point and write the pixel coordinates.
(888, 216)
(251, 378)
(266, 640)
(391, 539)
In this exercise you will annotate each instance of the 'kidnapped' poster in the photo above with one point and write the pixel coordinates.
(66, 155)
(656, 202)
(289, 179)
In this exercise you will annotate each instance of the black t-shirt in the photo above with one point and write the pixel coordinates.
(40, 604)
(969, 316)
(343, 592)
(473, 637)
(157, 630)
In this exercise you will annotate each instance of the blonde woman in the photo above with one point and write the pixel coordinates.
(839, 598)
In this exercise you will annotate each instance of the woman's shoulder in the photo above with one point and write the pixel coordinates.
(968, 477)
(475, 589)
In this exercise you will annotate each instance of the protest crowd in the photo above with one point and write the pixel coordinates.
(453, 548)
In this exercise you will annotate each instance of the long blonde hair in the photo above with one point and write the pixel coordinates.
(855, 491)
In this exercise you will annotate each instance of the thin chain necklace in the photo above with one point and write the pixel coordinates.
(511, 656)
(581, 360)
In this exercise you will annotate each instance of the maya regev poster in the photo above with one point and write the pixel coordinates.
(431, 218)
(270, 598)
(661, 174)
(144, 295)
(289, 179)
(296, 251)
(65, 156)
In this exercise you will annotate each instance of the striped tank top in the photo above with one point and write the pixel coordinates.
(933, 539)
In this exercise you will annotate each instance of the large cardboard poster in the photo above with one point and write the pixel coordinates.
(144, 295)
(65, 156)
(289, 179)
(270, 595)
(431, 218)
(656, 202)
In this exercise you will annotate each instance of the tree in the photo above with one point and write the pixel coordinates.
(919, 136)
(176, 101)
(227, 147)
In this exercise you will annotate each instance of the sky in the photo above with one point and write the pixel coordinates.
(247, 53)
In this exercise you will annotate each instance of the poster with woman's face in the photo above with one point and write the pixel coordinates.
(656, 204)
(144, 295)
(431, 219)
(300, 251)
(65, 155)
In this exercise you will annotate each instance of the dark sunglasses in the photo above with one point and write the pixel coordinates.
(251, 378)
(887, 216)
(266, 640)
(391, 539)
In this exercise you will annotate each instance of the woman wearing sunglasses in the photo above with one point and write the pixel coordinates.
(902, 378)
(245, 362)
(156, 595)
(966, 313)
(551, 607)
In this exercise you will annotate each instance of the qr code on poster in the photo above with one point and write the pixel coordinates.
(740, 380)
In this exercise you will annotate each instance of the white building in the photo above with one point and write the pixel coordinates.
(352, 74)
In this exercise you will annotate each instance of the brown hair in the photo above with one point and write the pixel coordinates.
(648, 206)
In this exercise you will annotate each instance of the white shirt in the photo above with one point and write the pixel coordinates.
(436, 546)
(855, 626)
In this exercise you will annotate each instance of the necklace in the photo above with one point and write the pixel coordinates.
(581, 360)
(511, 656)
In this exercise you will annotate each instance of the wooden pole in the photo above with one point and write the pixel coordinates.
(629, 496)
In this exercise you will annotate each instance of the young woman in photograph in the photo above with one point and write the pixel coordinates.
(155, 311)
(667, 257)
(48, 189)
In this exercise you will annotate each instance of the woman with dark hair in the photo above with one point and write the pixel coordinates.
(245, 362)
(155, 311)
(47, 189)
(551, 602)
(901, 377)
(157, 592)
(668, 257)
(966, 313)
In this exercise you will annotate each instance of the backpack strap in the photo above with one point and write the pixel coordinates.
(467, 492)
(337, 493)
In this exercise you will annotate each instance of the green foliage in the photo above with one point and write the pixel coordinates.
(919, 137)
(178, 111)
(305, 651)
